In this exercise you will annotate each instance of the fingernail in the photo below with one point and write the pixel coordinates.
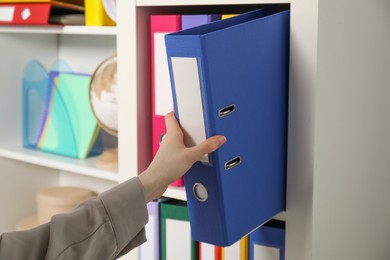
(221, 140)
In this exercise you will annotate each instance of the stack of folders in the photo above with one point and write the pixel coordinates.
(41, 12)
(169, 237)
(162, 102)
(230, 77)
(57, 117)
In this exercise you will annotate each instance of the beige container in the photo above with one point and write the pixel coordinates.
(56, 200)
(27, 223)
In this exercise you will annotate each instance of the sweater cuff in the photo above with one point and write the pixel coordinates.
(126, 207)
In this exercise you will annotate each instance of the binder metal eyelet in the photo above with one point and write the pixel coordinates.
(200, 192)
(226, 110)
(162, 136)
(233, 163)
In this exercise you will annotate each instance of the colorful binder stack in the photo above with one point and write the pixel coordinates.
(169, 237)
(41, 12)
(57, 117)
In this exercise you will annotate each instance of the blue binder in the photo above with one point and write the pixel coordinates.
(268, 242)
(230, 77)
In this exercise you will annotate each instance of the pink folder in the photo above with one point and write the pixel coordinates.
(162, 102)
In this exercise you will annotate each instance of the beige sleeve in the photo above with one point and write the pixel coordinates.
(102, 228)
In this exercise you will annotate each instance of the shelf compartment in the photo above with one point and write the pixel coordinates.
(85, 167)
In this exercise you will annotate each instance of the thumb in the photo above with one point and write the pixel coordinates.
(207, 146)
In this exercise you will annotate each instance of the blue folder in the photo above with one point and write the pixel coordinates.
(230, 77)
(268, 242)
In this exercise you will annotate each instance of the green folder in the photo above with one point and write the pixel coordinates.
(175, 232)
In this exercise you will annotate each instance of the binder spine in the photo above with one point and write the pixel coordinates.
(25, 13)
(161, 97)
(161, 88)
(176, 211)
(201, 173)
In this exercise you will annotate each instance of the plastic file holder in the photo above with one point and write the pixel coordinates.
(57, 117)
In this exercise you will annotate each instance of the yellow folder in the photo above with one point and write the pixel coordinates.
(226, 16)
(95, 14)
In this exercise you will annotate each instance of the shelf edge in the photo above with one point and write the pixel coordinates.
(178, 193)
(54, 29)
(60, 165)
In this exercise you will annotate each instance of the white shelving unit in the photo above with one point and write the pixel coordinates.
(339, 128)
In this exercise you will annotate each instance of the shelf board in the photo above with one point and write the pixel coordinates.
(85, 167)
(59, 29)
(178, 193)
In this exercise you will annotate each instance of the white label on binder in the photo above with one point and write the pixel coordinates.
(189, 101)
(266, 252)
(162, 83)
(7, 13)
(178, 240)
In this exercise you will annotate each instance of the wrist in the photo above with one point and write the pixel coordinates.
(153, 187)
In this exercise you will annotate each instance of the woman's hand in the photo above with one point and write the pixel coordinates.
(174, 159)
